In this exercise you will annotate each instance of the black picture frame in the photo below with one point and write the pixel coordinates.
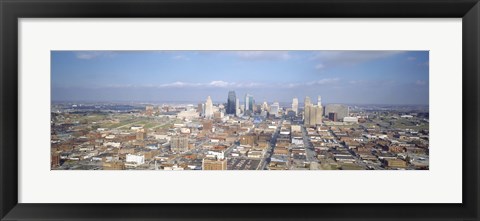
(12, 10)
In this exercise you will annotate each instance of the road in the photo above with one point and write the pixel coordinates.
(309, 149)
(228, 150)
(269, 152)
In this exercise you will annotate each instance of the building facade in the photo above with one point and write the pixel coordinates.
(179, 143)
(231, 103)
(313, 115)
(214, 164)
(274, 109)
(295, 105)
(209, 108)
(249, 103)
(340, 109)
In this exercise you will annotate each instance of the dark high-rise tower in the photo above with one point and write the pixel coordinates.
(231, 102)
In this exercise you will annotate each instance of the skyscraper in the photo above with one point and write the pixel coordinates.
(209, 108)
(313, 114)
(264, 106)
(231, 103)
(249, 102)
(318, 115)
(247, 97)
(274, 108)
(295, 105)
(237, 107)
(307, 101)
(306, 111)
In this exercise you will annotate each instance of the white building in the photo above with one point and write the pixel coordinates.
(185, 130)
(216, 154)
(274, 108)
(188, 114)
(136, 127)
(350, 120)
(297, 140)
(264, 106)
(295, 105)
(237, 107)
(137, 159)
(209, 108)
(113, 144)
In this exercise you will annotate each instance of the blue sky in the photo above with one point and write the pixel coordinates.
(352, 77)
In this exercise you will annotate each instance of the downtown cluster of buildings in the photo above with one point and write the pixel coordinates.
(238, 136)
(313, 113)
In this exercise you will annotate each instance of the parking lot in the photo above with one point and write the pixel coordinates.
(242, 164)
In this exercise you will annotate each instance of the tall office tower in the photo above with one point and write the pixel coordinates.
(247, 97)
(307, 116)
(237, 107)
(295, 105)
(319, 110)
(274, 109)
(209, 108)
(264, 106)
(312, 116)
(306, 110)
(307, 101)
(231, 103)
(249, 103)
(201, 109)
(318, 115)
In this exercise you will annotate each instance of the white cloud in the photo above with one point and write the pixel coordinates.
(181, 57)
(263, 55)
(220, 84)
(179, 84)
(411, 58)
(87, 55)
(335, 58)
(323, 81)
(212, 84)
(319, 66)
(236, 85)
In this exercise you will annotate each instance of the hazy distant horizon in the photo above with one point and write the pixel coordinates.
(347, 77)
(300, 103)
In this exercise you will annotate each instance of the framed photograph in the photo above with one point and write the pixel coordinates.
(227, 110)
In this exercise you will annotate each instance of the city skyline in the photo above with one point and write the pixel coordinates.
(349, 77)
